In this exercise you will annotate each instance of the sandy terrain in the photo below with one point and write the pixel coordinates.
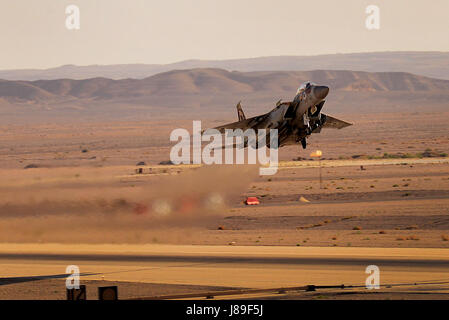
(385, 205)
(181, 229)
(282, 237)
(127, 143)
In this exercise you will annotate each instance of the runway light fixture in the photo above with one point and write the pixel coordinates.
(252, 201)
(316, 154)
(108, 293)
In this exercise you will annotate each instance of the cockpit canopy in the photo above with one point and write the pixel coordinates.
(304, 86)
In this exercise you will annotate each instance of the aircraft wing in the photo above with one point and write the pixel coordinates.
(335, 123)
(244, 124)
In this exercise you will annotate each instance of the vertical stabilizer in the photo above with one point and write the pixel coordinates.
(240, 113)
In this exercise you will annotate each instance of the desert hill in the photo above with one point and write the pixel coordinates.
(431, 64)
(214, 81)
(213, 93)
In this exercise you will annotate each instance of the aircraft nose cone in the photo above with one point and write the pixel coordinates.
(321, 92)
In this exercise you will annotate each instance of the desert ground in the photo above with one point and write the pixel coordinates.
(169, 230)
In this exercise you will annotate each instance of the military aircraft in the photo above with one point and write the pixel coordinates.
(294, 120)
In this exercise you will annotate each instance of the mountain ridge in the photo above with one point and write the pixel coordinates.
(211, 92)
(207, 81)
(431, 64)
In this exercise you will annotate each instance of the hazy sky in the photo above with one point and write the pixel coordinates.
(34, 35)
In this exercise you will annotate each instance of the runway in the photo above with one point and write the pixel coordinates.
(227, 266)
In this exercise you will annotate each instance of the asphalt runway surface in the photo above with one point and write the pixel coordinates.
(226, 266)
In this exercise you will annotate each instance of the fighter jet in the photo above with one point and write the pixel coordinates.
(295, 120)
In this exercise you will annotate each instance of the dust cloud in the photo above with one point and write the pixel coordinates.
(114, 205)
